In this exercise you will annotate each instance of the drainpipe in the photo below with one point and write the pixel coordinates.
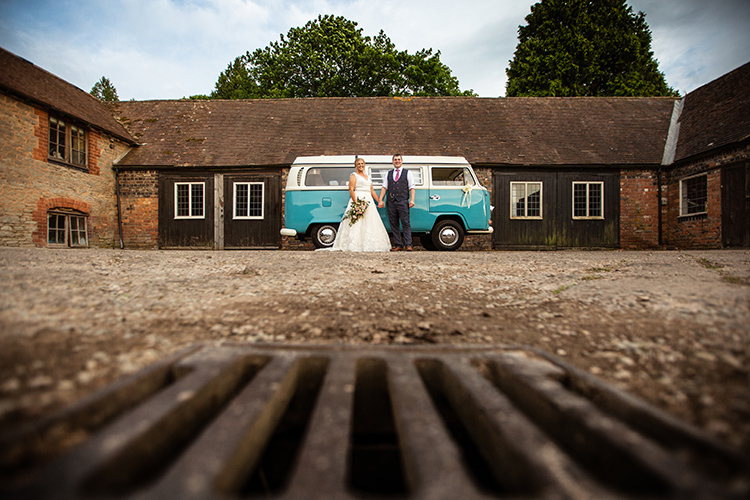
(119, 213)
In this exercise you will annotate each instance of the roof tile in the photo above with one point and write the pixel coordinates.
(498, 131)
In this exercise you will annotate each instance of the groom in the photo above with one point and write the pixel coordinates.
(400, 186)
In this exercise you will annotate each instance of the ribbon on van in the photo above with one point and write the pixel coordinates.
(467, 189)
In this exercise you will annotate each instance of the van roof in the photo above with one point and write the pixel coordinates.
(348, 160)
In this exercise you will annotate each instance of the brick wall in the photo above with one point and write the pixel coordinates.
(699, 231)
(30, 185)
(639, 209)
(696, 231)
(139, 205)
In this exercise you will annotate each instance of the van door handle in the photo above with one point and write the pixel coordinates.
(435, 197)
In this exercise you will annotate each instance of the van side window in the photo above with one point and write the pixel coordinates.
(451, 176)
(335, 176)
(377, 175)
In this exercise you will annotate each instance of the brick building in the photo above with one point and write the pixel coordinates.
(707, 201)
(57, 185)
(606, 172)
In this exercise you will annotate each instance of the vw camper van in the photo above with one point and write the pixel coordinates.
(449, 200)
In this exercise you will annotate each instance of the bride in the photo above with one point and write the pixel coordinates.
(366, 233)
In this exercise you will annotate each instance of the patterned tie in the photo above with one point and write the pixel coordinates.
(398, 172)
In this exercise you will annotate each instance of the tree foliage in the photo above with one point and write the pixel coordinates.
(585, 48)
(329, 57)
(104, 90)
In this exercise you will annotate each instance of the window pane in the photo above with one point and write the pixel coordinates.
(579, 200)
(78, 145)
(595, 200)
(56, 229)
(518, 197)
(417, 174)
(56, 138)
(255, 208)
(183, 200)
(378, 174)
(241, 200)
(697, 194)
(196, 201)
(77, 231)
(452, 176)
(534, 199)
(334, 176)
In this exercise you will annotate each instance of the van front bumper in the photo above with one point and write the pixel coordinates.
(480, 231)
(288, 232)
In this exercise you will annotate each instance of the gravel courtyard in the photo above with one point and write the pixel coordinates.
(671, 327)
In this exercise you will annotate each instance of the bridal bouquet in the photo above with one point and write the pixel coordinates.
(356, 211)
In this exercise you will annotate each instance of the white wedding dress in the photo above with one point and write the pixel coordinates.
(368, 234)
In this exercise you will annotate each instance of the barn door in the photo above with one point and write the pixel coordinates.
(546, 209)
(525, 214)
(735, 206)
(186, 216)
(252, 211)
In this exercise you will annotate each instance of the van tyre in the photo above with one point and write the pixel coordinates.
(447, 235)
(426, 241)
(323, 235)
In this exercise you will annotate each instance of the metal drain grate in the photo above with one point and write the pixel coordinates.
(242, 421)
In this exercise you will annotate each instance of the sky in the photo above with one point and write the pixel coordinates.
(170, 49)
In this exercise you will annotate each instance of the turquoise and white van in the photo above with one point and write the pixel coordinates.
(449, 200)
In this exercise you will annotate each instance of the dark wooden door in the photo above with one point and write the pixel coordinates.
(735, 206)
(596, 225)
(186, 213)
(578, 209)
(514, 228)
(252, 210)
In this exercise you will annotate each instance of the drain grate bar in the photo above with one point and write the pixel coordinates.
(609, 448)
(421, 428)
(321, 471)
(334, 422)
(229, 456)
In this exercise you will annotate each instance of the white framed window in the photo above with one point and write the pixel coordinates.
(66, 230)
(588, 200)
(694, 195)
(525, 200)
(67, 142)
(248, 200)
(189, 200)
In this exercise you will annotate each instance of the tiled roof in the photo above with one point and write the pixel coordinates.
(23, 79)
(716, 114)
(493, 131)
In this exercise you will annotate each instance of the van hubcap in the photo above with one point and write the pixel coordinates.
(327, 235)
(448, 236)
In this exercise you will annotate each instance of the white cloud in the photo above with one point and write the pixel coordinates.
(166, 49)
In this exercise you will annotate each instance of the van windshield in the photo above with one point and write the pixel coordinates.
(329, 176)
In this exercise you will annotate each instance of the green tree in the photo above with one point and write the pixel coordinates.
(104, 91)
(585, 48)
(329, 57)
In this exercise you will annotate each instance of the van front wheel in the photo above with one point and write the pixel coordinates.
(323, 235)
(447, 235)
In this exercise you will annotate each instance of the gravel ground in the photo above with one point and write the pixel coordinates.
(670, 327)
